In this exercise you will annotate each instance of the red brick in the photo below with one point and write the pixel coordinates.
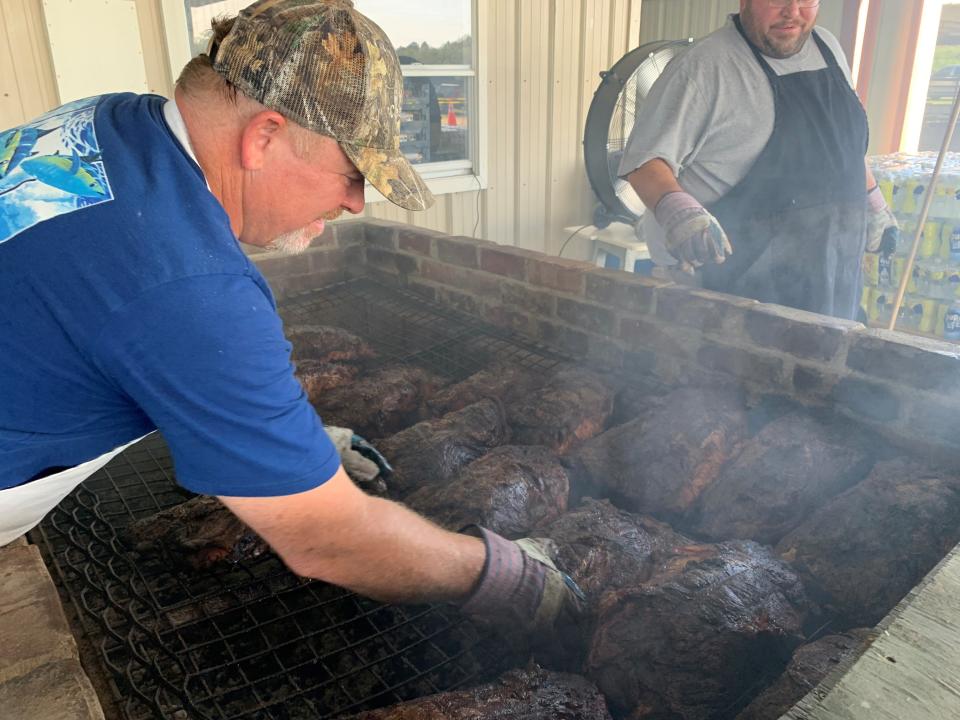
(326, 259)
(595, 318)
(633, 293)
(523, 298)
(642, 334)
(506, 262)
(568, 340)
(701, 309)
(350, 232)
(457, 252)
(460, 278)
(416, 241)
(381, 234)
(510, 319)
(557, 274)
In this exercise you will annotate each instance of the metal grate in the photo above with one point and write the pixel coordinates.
(254, 641)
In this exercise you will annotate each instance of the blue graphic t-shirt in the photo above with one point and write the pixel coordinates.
(126, 304)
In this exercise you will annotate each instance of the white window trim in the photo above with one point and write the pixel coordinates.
(442, 178)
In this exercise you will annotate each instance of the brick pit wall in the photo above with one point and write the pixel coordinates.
(906, 387)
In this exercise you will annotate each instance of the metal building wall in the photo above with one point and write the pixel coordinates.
(27, 81)
(679, 19)
(543, 59)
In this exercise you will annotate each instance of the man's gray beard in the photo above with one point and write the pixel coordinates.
(291, 243)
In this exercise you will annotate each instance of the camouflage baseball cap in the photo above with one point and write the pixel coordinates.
(330, 69)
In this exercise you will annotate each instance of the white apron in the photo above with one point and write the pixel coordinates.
(24, 506)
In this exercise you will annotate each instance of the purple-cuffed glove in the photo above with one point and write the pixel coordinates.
(693, 235)
(520, 587)
(883, 230)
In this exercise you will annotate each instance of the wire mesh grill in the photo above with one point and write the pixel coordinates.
(252, 640)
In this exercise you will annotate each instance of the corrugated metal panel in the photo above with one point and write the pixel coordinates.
(679, 19)
(27, 82)
(543, 68)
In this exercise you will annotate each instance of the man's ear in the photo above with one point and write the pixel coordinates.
(259, 137)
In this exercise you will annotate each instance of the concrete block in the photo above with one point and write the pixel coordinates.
(32, 624)
(56, 691)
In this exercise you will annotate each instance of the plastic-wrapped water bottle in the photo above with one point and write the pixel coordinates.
(951, 322)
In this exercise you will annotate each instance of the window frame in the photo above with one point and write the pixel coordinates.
(452, 176)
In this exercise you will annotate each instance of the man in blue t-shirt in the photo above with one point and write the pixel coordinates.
(127, 305)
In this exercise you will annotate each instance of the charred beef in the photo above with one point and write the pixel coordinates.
(327, 344)
(432, 452)
(196, 534)
(604, 548)
(381, 403)
(503, 382)
(690, 641)
(661, 463)
(869, 546)
(318, 378)
(811, 663)
(509, 490)
(790, 468)
(518, 695)
(572, 406)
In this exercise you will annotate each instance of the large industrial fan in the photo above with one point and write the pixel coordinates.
(623, 89)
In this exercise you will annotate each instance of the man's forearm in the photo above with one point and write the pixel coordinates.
(372, 546)
(652, 181)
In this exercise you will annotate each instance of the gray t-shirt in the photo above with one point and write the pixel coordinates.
(710, 115)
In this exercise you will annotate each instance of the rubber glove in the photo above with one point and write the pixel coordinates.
(883, 230)
(693, 235)
(521, 588)
(360, 459)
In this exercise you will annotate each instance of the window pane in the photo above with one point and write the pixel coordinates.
(435, 125)
(431, 32)
(199, 15)
(944, 82)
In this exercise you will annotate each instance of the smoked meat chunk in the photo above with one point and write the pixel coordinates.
(432, 452)
(692, 640)
(572, 406)
(502, 381)
(785, 472)
(662, 462)
(381, 403)
(517, 695)
(868, 547)
(509, 490)
(196, 534)
(327, 344)
(318, 378)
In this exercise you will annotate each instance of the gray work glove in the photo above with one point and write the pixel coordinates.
(883, 230)
(520, 588)
(360, 459)
(693, 235)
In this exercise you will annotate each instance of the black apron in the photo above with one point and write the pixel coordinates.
(797, 221)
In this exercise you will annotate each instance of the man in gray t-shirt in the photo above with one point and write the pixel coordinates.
(731, 150)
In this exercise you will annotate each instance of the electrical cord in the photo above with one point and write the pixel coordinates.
(476, 224)
(572, 235)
